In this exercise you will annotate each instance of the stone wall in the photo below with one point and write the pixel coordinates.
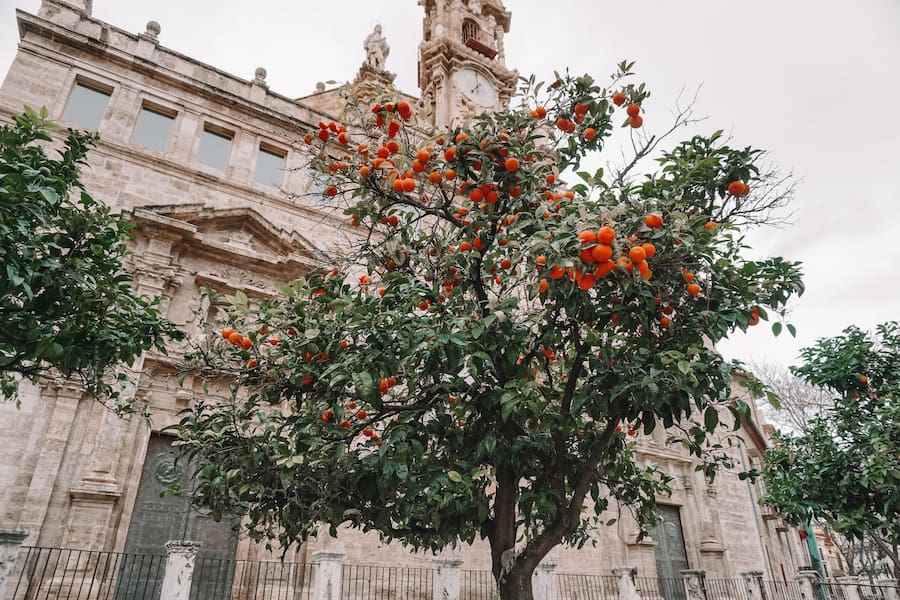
(69, 471)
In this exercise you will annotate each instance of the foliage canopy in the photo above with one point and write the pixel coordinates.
(67, 307)
(482, 366)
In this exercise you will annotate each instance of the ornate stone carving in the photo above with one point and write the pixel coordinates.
(377, 49)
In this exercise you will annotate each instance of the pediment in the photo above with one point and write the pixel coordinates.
(231, 235)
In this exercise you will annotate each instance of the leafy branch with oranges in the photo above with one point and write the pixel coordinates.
(502, 343)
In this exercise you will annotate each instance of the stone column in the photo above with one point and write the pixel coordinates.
(543, 582)
(327, 580)
(180, 556)
(59, 403)
(809, 584)
(446, 578)
(10, 541)
(888, 588)
(625, 581)
(694, 583)
(753, 585)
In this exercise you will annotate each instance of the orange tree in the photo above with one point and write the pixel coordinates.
(482, 369)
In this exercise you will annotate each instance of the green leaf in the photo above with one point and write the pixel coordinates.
(454, 476)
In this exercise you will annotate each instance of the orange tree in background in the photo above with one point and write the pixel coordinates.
(484, 368)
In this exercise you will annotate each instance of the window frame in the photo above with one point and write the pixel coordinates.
(269, 148)
(95, 85)
(216, 129)
(160, 109)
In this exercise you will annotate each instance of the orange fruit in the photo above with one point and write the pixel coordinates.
(383, 386)
(365, 172)
(590, 133)
(246, 343)
(637, 254)
(434, 177)
(586, 282)
(709, 225)
(450, 154)
(512, 165)
(449, 174)
(505, 264)
(618, 98)
(665, 321)
(649, 249)
(636, 122)
(604, 268)
(606, 235)
(476, 195)
(735, 188)
(633, 110)
(461, 137)
(688, 276)
(653, 221)
(601, 252)
(409, 185)
(544, 285)
(235, 338)
(398, 185)
(252, 363)
(423, 155)
(863, 379)
(587, 236)
(557, 272)
(465, 247)
(693, 289)
(226, 332)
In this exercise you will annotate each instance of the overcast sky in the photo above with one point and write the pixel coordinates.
(815, 82)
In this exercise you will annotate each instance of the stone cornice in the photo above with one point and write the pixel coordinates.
(302, 118)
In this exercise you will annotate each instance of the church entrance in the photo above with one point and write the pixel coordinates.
(158, 519)
(670, 554)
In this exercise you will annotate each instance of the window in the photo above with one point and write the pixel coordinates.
(86, 106)
(469, 30)
(269, 167)
(214, 147)
(153, 128)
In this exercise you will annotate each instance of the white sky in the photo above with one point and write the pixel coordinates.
(816, 82)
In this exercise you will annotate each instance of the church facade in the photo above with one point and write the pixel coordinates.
(210, 169)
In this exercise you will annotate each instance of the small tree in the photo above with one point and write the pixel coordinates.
(67, 307)
(843, 467)
(483, 367)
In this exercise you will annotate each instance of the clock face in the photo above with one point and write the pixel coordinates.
(476, 87)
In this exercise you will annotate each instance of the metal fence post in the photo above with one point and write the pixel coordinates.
(180, 557)
(327, 580)
(809, 583)
(445, 584)
(888, 588)
(543, 582)
(625, 581)
(694, 583)
(753, 585)
(10, 541)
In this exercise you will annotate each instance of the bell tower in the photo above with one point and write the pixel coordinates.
(462, 66)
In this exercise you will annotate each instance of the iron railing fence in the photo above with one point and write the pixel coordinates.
(780, 590)
(868, 591)
(377, 582)
(726, 589)
(660, 588)
(228, 579)
(477, 585)
(587, 587)
(65, 574)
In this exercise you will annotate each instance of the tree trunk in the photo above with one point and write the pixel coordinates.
(517, 585)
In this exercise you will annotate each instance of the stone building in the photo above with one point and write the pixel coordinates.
(209, 168)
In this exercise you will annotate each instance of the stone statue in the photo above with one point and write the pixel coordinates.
(376, 49)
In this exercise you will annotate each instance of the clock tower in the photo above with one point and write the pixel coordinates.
(462, 67)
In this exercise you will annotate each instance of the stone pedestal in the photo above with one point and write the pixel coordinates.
(625, 581)
(327, 580)
(445, 585)
(10, 542)
(753, 585)
(180, 558)
(543, 582)
(694, 583)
